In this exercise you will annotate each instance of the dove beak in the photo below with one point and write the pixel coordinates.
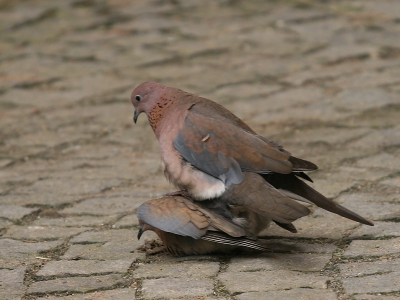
(135, 115)
(140, 232)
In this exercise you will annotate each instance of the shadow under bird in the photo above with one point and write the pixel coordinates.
(208, 153)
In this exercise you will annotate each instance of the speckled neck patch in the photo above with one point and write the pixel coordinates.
(156, 114)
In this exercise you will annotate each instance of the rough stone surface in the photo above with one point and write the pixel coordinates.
(119, 294)
(76, 284)
(322, 78)
(302, 293)
(380, 229)
(369, 268)
(16, 253)
(269, 262)
(385, 283)
(12, 283)
(14, 211)
(41, 232)
(185, 269)
(83, 267)
(373, 248)
(270, 280)
(176, 287)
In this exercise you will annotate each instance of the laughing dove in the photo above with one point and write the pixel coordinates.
(206, 150)
(191, 228)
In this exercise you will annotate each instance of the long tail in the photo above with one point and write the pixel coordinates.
(294, 185)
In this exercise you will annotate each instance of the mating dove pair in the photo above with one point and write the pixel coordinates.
(233, 181)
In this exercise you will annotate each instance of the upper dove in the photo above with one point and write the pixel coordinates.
(206, 151)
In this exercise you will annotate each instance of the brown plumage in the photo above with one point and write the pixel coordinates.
(188, 227)
(206, 151)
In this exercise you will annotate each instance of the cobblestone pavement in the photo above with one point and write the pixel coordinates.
(320, 77)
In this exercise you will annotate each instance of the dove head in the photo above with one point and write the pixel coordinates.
(145, 97)
(144, 227)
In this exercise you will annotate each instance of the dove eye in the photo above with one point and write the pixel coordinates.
(138, 98)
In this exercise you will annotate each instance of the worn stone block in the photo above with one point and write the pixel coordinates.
(187, 269)
(176, 287)
(65, 268)
(263, 281)
(12, 283)
(76, 284)
(373, 284)
(269, 262)
(373, 248)
(297, 293)
(370, 268)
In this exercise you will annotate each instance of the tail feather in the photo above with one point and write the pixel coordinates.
(221, 238)
(287, 226)
(291, 183)
(299, 164)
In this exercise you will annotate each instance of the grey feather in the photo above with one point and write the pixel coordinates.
(172, 224)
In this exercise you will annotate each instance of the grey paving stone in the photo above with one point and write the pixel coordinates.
(319, 30)
(277, 102)
(241, 91)
(105, 245)
(329, 135)
(380, 229)
(334, 54)
(76, 284)
(374, 297)
(371, 209)
(107, 251)
(118, 294)
(64, 268)
(15, 253)
(12, 283)
(366, 79)
(318, 73)
(127, 221)
(105, 206)
(269, 262)
(5, 223)
(186, 269)
(373, 248)
(355, 173)
(278, 245)
(372, 284)
(46, 139)
(68, 186)
(41, 232)
(332, 188)
(263, 281)
(362, 99)
(381, 160)
(388, 8)
(370, 268)
(73, 221)
(117, 235)
(378, 139)
(300, 16)
(176, 287)
(392, 182)
(47, 198)
(13, 212)
(5, 162)
(297, 293)
(23, 247)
